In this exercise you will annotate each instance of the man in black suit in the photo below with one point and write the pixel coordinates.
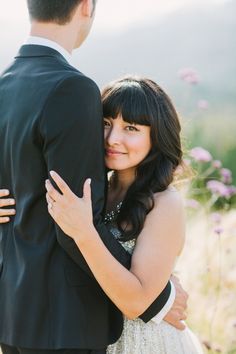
(51, 119)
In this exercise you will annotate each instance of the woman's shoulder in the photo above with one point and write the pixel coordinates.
(166, 221)
(171, 197)
(169, 215)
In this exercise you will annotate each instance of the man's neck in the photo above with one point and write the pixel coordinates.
(62, 35)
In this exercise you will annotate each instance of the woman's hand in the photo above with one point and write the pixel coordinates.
(73, 215)
(5, 213)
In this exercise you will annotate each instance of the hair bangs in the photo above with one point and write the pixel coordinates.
(129, 101)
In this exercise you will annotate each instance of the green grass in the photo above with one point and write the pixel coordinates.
(215, 133)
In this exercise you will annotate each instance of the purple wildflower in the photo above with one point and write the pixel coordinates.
(218, 188)
(217, 164)
(226, 175)
(200, 155)
(232, 190)
(189, 75)
(218, 230)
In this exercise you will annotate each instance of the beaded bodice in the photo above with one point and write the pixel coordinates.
(110, 220)
(139, 337)
(111, 216)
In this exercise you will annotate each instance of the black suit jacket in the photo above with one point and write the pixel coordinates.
(51, 118)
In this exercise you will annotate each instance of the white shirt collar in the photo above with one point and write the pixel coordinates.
(51, 44)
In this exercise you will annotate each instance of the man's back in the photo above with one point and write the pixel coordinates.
(46, 300)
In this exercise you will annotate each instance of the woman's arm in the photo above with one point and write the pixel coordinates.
(6, 202)
(154, 256)
(172, 317)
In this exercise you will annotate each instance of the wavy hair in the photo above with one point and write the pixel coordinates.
(141, 101)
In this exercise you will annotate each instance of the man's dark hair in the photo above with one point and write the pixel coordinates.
(58, 11)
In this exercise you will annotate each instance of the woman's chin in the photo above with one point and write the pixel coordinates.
(114, 166)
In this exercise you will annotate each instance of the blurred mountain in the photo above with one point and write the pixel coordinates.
(200, 37)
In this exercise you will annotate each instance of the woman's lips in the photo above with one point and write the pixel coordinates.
(112, 152)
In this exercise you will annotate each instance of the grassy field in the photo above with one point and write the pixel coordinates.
(207, 268)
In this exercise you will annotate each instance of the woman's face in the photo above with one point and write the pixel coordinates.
(126, 144)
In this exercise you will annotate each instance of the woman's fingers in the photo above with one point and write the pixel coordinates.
(6, 202)
(64, 188)
(4, 220)
(52, 192)
(4, 192)
(52, 211)
(5, 212)
(49, 199)
(87, 189)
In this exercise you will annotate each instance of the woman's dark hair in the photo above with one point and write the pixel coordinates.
(142, 101)
(58, 11)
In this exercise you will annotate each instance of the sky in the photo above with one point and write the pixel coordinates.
(111, 15)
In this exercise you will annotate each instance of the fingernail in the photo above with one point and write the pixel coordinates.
(89, 180)
(52, 173)
(12, 202)
(6, 192)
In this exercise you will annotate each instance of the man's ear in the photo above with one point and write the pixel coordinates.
(88, 7)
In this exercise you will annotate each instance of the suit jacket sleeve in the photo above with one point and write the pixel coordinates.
(71, 128)
(72, 132)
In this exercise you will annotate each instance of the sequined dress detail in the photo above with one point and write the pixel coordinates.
(149, 338)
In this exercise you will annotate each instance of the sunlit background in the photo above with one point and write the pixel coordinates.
(189, 48)
(158, 38)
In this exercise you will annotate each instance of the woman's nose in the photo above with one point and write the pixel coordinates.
(113, 137)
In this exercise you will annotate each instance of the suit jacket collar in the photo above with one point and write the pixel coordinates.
(33, 50)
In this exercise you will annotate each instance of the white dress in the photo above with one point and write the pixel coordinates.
(139, 337)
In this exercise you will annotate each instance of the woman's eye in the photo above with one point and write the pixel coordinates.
(106, 124)
(131, 128)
